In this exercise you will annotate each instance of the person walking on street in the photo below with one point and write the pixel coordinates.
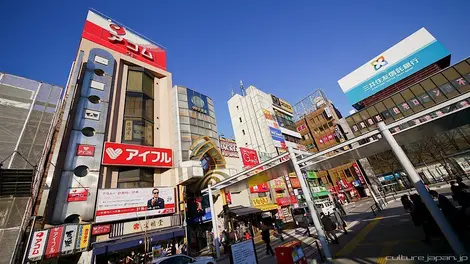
(407, 204)
(340, 221)
(462, 185)
(339, 206)
(329, 227)
(267, 239)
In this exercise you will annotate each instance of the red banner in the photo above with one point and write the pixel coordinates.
(54, 241)
(359, 174)
(293, 200)
(260, 188)
(228, 197)
(249, 157)
(283, 201)
(295, 183)
(136, 156)
(77, 195)
(85, 150)
(100, 229)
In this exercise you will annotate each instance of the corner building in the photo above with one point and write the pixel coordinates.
(113, 153)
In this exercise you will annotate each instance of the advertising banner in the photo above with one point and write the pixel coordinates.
(228, 197)
(270, 119)
(278, 138)
(137, 226)
(260, 201)
(69, 240)
(118, 204)
(295, 183)
(105, 32)
(197, 102)
(228, 148)
(54, 241)
(286, 106)
(77, 194)
(276, 101)
(83, 238)
(260, 188)
(359, 173)
(249, 157)
(407, 57)
(85, 150)
(118, 154)
(38, 244)
(100, 229)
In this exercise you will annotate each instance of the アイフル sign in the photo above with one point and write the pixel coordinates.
(118, 154)
(53, 242)
(77, 194)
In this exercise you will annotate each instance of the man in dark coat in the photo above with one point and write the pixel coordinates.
(329, 227)
(156, 202)
(266, 236)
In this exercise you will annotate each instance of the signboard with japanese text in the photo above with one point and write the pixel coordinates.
(294, 182)
(359, 173)
(38, 244)
(69, 240)
(286, 106)
(249, 157)
(83, 237)
(85, 150)
(137, 226)
(270, 120)
(100, 229)
(228, 197)
(277, 137)
(228, 148)
(244, 253)
(112, 35)
(284, 201)
(263, 187)
(77, 194)
(54, 241)
(197, 102)
(118, 204)
(260, 201)
(407, 57)
(118, 154)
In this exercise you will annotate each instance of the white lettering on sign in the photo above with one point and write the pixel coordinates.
(131, 46)
(101, 60)
(158, 156)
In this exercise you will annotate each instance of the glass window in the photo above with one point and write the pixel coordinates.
(147, 85)
(134, 81)
(135, 177)
(183, 98)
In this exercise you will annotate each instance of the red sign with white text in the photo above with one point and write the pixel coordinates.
(284, 201)
(100, 230)
(359, 174)
(77, 195)
(85, 150)
(104, 32)
(136, 156)
(38, 244)
(295, 183)
(249, 157)
(260, 188)
(54, 241)
(228, 197)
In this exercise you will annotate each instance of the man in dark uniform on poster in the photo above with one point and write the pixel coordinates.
(156, 202)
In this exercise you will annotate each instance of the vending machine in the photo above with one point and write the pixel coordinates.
(290, 253)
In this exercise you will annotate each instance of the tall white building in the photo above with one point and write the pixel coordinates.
(263, 122)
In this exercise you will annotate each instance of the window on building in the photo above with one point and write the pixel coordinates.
(139, 108)
(135, 177)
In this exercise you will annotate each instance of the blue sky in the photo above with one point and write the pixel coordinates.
(287, 48)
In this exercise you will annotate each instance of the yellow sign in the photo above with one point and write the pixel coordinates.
(258, 179)
(267, 207)
(84, 236)
(260, 201)
(286, 106)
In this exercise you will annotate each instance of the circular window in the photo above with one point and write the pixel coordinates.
(81, 171)
(94, 99)
(99, 72)
(88, 131)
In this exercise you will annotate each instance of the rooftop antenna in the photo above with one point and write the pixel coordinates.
(242, 88)
(231, 89)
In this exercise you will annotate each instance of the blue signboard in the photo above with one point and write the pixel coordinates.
(398, 71)
(197, 102)
(276, 134)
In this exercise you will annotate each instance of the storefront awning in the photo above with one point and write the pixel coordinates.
(121, 243)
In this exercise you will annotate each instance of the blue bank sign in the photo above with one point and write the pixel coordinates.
(277, 136)
(402, 60)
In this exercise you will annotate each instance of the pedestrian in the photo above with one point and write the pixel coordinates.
(183, 249)
(340, 221)
(173, 248)
(339, 206)
(462, 185)
(278, 225)
(460, 195)
(266, 236)
(329, 227)
(407, 204)
(307, 224)
(423, 218)
(449, 210)
(225, 241)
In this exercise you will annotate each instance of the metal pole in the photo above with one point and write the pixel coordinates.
(311, 206)
(421, 189)
(31, 231)
(214, 223)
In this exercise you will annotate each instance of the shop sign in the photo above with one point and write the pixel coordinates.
(268, 115)
(104, 32)
(54, 241)
(275, 100)
(119, 204)
(277, 137)
(85, 150)
(249, 157)
(295, 182)
(330, 137)
(69, 240)
(312, 175)
(325, 139)
(83, 237)
(100, 229)
(128, 130)
(228, 148)
(359, 173)
(118, 154)
(286, 106)
(283, 201)
(279, 184)
(260, 201)
(267, 207)
(260, 188)
(293, 200)
(228, 197)
(301, 127)
(138, 226)
(77, 194)
(197, 102)
(38, 244)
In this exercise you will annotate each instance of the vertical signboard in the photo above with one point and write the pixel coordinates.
(69, 240)
(359, 173)
(53, 242)
(38, 244)
(83, 238)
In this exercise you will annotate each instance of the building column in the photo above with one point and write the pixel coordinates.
(215, 230)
